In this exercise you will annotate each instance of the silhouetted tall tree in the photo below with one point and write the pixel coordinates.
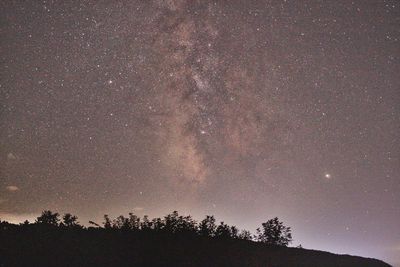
(107, 222)
(48, 218)
(274, 232)
(186, 224)
(146, 224)
(134, 222)
(70, 221)
(157, 224)
(207, 226)
(171, 222)
(234, 231)
(223, 231)
(245, 235)
(121, 223)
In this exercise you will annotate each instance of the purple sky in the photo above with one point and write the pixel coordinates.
(242, 109)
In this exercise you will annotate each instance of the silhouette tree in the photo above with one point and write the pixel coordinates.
(146, 224)
(48, 218)
(134, 222)
(186, 224)
(273, 232)
(157, 224)
(121, 223)
(171, 222)
(223, 231)
(245, 235)
(70, 221)
(207, 226)
(234, 231)
(107, 222)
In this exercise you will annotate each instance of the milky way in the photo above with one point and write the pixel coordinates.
(242, 109)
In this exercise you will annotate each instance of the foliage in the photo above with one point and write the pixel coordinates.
(245, 235)
(173, 240)
(207, 226)
(49, 218)
(70, 221)
(223, 231)
(273, 232)
(107, 222)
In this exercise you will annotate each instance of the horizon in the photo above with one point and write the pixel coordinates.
(295, 243)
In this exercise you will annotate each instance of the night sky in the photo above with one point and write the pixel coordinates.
(242, 109)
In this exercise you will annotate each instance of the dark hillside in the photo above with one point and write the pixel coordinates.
(43, 245)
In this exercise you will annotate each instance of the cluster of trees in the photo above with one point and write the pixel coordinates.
(49, 218)
(175, 223)
(272, 232)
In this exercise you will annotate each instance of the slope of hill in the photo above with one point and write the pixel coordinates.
(46, 246)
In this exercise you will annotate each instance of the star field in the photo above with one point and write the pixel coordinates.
(242, 109)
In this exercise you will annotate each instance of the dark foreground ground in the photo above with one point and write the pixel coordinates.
(35, 246)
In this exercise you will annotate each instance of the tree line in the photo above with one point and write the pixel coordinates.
(272, 232)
